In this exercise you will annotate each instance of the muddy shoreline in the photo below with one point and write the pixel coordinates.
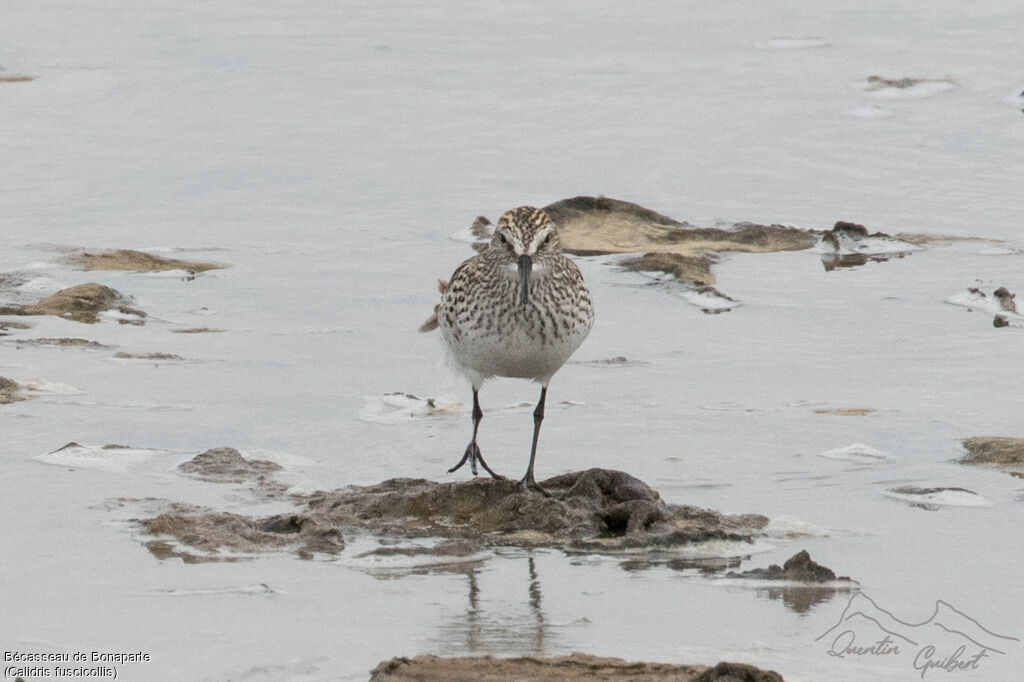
(550, 669)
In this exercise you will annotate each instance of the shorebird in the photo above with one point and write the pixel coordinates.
(518, 309)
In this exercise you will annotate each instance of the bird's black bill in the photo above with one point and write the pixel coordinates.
(525, 266)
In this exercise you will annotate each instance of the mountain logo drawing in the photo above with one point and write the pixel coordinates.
(948, 639)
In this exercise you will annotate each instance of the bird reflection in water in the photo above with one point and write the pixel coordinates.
(493, 625)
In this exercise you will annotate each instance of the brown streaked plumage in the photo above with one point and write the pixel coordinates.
(518, 309)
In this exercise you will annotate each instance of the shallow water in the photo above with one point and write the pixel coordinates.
(327, 154)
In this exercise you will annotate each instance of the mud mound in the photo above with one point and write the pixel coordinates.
(1005, 453)
(599, 225)
(574, 667)
(197, 330)
(135, 261)
(62, 342)
(10, 391)
(81, 303)
(147, 356)
(212, 532)
(595, 510)
(686, 268)
(799, 568)
(226, 465)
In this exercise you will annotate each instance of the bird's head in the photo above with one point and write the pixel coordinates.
(525, 236)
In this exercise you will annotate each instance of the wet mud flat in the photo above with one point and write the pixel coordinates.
(596, 511)
(91, 302)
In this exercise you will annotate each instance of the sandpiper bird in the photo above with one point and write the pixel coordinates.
(518, 309)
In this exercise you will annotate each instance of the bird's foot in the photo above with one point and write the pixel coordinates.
(529, 485)
(472, 455)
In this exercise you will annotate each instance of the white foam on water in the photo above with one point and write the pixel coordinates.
(285, 459)
(96, 457)
(711, 549)
(864, 246)
(946, 497)
(788, 526)
(41, 285)
(398, 408)
(49, 388)
(860, 453)
(978, 299)
(118, 316)
(37, 265)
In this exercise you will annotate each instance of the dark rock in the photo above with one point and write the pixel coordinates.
(737, 672)
(798, 568)
(844, 233)
(852, 229)
(1006, 299)
(226, 465)
(848, 241)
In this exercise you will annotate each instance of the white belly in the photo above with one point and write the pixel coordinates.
(512, 355)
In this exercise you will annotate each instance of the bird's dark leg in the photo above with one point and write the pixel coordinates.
(529, 482)
(473, 450)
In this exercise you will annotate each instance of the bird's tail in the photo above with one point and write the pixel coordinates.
(431, 323)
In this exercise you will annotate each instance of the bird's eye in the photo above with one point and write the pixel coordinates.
(502, 239)
(547, 239)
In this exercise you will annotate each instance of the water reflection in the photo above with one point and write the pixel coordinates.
(802, 599)
(496, 622)
(798, 598)
(834, 261)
